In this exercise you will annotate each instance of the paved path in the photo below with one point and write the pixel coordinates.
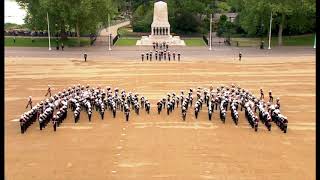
(102, 39)
(134, 52)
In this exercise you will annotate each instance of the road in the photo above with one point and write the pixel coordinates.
(134, 52)
(102, 39)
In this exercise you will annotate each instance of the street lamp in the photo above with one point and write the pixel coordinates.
(48, 32)
(270, 30)
(109, 32)
(110, 42)
(210, 35)
(314, 46)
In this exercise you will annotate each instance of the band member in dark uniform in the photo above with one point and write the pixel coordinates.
(48, 91)
(29, 102)
(57, 42)
(261, 94)
(270, 96)
(150, 55)
(54, 121)
(85, 57)
(127, 111)
(278, 102)
(156, 54)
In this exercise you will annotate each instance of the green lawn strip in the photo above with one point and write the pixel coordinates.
(302, 40)
(126, 41)
(43, 42)
(124, 31)
(194, 41)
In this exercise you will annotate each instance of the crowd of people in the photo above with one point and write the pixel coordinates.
(160, 52)
(224, 97)
(81, 99)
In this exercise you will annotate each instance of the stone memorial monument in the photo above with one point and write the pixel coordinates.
(160, 28)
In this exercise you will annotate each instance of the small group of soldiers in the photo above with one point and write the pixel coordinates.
(276, 116)
(58, 46)
(270, 95)
(160, 46)
(251, 116)
(160, 55)
(27, 119)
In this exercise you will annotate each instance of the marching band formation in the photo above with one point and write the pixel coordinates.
(79, 99)
(224, 97)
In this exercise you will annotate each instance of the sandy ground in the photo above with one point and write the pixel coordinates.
(159, 146)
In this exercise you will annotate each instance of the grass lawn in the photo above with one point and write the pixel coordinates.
(126, 41)
(43, 42)
(194, 41)
(302, 40)
(124, 31)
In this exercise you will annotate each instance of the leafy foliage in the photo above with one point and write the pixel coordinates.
(179, 11)
(82, 16)
(289, 16)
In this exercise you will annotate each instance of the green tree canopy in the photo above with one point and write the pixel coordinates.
(290, 16)
(83, 16)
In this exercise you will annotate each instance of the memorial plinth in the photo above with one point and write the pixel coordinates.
(160, 28)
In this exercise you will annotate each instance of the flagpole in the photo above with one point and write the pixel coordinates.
(314, 46)
(48, 31)
(270, 30)
(109, 34)
(210, 35)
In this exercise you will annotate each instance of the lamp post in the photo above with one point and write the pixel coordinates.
(109, 32)
(110, 42)
(314, 46)
(270, 30)
(210, 35)
(48, 32)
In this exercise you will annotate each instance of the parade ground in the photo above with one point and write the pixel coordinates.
(152, 146)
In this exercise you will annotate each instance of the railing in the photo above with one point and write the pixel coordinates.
(115, 39)
(205, 39)
(41, 34)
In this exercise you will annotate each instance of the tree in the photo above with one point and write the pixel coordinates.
(289, 15)
(83, 16)
(287, 9)
(142, 18)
